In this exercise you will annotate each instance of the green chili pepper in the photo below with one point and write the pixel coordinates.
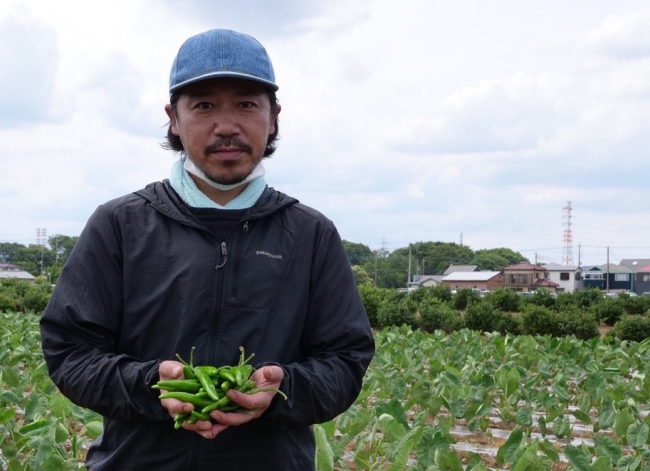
(179, 419)
(188, 372)
(277, 391)
(226, 374)
(243, 373)
(187, 397)
(188, 368)
(211, 371)
(199, 415)
(247, 386)
(184, 385)
(202, 374)
(216, 405)
(204, 387)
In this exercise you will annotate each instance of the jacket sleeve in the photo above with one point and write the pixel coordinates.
(338, 342)
(81, 325)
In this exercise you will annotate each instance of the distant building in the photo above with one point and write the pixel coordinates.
(456, 268)
(483, 280)
(567, 278)
(9, 270)
(420, 281)
(526, 276)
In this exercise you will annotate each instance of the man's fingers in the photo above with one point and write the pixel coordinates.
(170, 370)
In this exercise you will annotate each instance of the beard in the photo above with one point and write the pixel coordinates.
(231, 172)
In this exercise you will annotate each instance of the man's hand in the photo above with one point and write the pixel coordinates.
(257, 403)
(205, 428)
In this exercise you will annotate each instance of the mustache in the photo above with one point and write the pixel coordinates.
(227, 142)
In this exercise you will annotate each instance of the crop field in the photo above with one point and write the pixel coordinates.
(429, 402)
(472, 401)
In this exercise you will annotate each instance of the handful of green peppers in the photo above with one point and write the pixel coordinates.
(205, 387)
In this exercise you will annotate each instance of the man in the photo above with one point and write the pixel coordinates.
(214, 259)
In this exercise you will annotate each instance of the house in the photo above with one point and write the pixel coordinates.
(9, 270)
(642, 280)
(593, 277)
(527, 277)
(568, 278)
(608, 277)
(483, 280)
(640, 276)
(424, 280)
(464, 268)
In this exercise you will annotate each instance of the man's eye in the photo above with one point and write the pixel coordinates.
(204, 106)
(246, 104)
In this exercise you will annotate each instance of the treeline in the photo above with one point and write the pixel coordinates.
(35, 259)
(21, 296)
(385, 269)
(382, 268)
(580, 313)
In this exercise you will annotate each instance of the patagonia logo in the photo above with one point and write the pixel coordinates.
(270, 255)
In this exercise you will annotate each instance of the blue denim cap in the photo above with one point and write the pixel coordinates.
(221, 53)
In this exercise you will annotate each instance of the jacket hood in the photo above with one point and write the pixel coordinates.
(164, 199)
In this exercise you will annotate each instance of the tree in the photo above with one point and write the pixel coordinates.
(62, 246)
(357, 254)
(361, 277)
(496, 259)
(8, 251)
(437, 256)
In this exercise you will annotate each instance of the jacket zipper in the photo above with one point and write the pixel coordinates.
(224, 253)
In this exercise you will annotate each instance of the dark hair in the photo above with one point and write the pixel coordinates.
(173, 142)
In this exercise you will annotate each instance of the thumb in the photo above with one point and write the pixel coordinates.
(273, 374)
(170, 370)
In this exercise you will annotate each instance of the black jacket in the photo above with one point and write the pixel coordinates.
(147, 280)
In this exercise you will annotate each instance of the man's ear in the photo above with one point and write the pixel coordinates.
(278, 108)
(172, 118)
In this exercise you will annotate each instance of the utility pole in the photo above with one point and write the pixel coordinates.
(607, 274)
(409, 273)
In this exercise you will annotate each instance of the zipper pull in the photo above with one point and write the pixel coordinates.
(245, 228)
(224, 252)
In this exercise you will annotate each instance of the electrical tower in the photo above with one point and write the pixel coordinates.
(41, 238)
(567, 255)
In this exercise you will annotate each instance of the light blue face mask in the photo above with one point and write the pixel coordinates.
(182, 183)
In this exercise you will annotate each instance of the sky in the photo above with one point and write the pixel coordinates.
(469, 121)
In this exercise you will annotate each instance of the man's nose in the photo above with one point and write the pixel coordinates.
(226, 123)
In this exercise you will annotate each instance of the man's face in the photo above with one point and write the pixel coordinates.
(224, 125)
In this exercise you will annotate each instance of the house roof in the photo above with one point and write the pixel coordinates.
(635, 263)
(461, 268)
(544, 283)
(645, 269)
(524, 266)
(420, 279)
(9, 270)
(613, 268)
(471, 276)
(558, 267)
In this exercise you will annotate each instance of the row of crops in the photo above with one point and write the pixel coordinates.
(472, 401)
(430, 401)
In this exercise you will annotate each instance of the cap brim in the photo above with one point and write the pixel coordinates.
(226, 73)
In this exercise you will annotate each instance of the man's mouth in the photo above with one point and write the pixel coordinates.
(228, 149)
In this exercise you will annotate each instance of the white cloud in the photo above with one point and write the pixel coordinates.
(28, 54)
(403, 122)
